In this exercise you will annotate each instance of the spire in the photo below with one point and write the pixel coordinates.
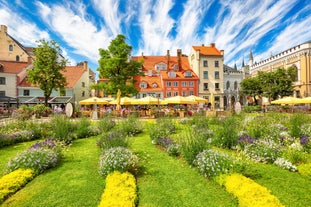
(251, 58)
(235, 68)
(243, 64)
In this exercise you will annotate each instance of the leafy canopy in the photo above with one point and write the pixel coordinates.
(116, 66)
(47, 68)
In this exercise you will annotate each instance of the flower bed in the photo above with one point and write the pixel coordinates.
(120, 190)
(14, 181)
(248, 192)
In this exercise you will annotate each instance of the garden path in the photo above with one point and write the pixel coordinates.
(169, 181)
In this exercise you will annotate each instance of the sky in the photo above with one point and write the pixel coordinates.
(152, 27)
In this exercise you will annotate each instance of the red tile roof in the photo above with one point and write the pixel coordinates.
(150, 83)
(72, 74)
(207, 50)
(13, 67)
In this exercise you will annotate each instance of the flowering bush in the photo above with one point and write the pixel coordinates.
(16, 137)
(169, 145)
(212, 163)
(305, 170)
(305, 142)
(13, 181)
(117, 158)
(50, 143)
(111, 139)
(262, 151)
(285, 164)
(120, 190)
(36, 159)
(244, 140)
(130, 126)
(106, 124)
(249, 193)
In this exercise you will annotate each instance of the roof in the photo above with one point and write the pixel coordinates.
(150, 83)
(208, 50)
(72, 74)
(13, 67)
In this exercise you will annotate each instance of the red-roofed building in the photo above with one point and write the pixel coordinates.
(208, 64)
(166, 76)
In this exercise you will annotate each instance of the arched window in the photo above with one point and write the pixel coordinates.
(10, 47)
(228, 85)
(235, 85)
(17, 58)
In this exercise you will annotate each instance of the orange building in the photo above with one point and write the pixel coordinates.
(166, 76)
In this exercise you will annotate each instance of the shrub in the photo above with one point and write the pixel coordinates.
(62, 129)
(296, 121)
(16, 137)
(227, 134)
(245, 140)
(106, 124)
(212, 163)
(82, 129)
(305, 170)
(14, 181)
(262, 151)
(169, 145)
(249, 193)
(36, 159)
(305, 143)
(285, 164)
(117, 159)
(294, 154)
(120, 190)
(112, 139)
(130, 126)
(50, 143)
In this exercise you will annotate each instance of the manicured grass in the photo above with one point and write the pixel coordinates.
(74, 183)
(168, 181)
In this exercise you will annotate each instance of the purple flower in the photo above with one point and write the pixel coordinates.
(304, 140)
(245, 139)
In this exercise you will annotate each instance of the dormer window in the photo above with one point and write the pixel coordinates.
(175, 67)
(188, 74)
(154, 85)
(161, 66)
(143, 85)
(172, 74)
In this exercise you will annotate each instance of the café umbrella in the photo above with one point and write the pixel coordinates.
(93, 100)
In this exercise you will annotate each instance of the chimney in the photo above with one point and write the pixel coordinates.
(179, 58)
(212, 44)
(85, 66)
(29, 60)
(4, 29)
(222, 52)
(202, 45)
(168, 58)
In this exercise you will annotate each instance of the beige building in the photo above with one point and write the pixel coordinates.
(207, 63)
(299, 57)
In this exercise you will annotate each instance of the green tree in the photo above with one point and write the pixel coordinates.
(116, 65)
(47, 68)
(251, 87)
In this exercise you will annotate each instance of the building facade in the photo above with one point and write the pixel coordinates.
(207, 63)
(298, 57)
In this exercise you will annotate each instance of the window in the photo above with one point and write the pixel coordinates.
(168, 94)
(172, 74)
(154, 85)
(26, 93)
(17, 58)
(188, 74)
(83, 84)
(184, 83)
(10, 47)
(62, 92)
(83, 94)
(184, 93)
(2, 93)
(175, 67)
(235, 85)
(175, 93)
(168, 84)
(217, 63)
(143, 85)
(191, 83)
(205, 74)
(191, 93)
(216, 74)
(2, 80)
(175, 84)
(161, 66)
(205, 86)
(228, 85)
(217, 86)
(205, 63)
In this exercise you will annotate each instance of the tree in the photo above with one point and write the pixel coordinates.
(251, 87)
(115, 64)
(47, 68)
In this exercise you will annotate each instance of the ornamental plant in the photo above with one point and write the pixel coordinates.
(285, 164)
(12, 182)
(305, 170)
(130, 126)
(170, 146)
(62, 129)
(106, 124)
(112, 139)
(226, 135)
(117, 159)
(120, 190)
(249, 193)
(212, 163)
(16, 137)
(38, 160)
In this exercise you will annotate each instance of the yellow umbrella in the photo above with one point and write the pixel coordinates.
(306, 100)
(198, 99)
(93, 100)
(179, 100)
(148, 100)
(287, 100)
(123, 101)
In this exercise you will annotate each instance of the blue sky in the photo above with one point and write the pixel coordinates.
(81, 27)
